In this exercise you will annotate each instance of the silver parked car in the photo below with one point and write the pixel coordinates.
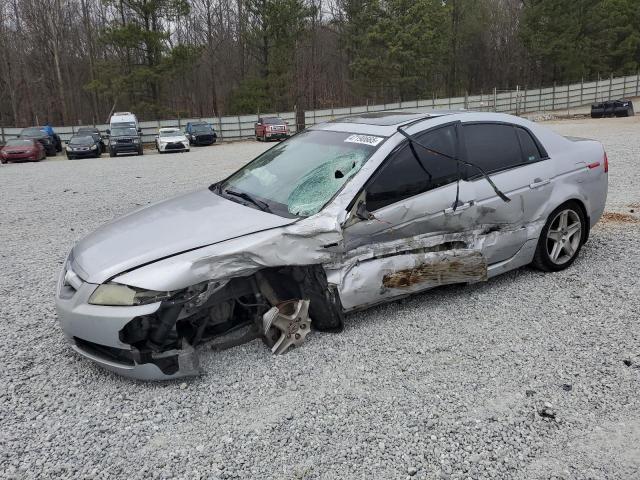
(342, 216)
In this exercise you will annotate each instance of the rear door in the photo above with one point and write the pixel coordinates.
(520, 168)
(413, 237)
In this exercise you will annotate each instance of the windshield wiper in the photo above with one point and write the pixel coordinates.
(261, 205)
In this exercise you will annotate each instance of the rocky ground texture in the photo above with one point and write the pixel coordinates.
(529, 375)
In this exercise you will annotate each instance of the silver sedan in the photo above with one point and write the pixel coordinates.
(342, 216)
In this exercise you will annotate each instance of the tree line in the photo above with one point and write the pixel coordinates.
(75, 61)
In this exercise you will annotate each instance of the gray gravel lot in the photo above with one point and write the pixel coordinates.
(459, 382)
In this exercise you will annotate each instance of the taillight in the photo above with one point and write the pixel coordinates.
(606, 163)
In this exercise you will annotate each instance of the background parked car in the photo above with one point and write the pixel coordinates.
(200, 133)
(37, 133)
(125, 140)
(22, 150)
(83, 146)
(95, 133)
(171, 140)
(271, 128)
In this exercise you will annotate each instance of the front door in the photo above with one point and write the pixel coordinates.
(404, 234)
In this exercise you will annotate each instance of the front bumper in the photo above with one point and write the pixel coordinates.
(276, 135)
(82, 153)
(204, 139)
(173, 147)
(126, 147)
(94, 332)
(20, 157)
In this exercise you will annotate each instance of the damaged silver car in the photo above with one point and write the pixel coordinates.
(340, 217)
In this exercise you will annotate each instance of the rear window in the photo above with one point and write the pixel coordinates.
(273, 121)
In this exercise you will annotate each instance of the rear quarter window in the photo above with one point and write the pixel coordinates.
(530, 150)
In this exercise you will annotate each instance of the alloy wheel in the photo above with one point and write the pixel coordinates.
(564, 236)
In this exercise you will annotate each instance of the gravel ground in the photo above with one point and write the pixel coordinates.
(529, 375)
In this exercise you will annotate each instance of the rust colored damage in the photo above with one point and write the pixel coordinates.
(615, 217)
(441, 268)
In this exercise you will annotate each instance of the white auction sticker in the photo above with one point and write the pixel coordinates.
(365, 139)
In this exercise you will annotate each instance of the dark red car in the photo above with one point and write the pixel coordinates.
(271, 128)
(22, 150)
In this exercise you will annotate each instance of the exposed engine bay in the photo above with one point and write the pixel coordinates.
(277, 305)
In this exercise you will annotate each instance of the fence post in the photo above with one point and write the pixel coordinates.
(553, 98)
(433, 101)
(239, 127)
(624, 87)
(220, 127)
(540, 98)
(610, 84)
(568, 97)
(637, 81)
(466, 100)
(581, 90)
(495, 99)
(2, 134)
(525, 100)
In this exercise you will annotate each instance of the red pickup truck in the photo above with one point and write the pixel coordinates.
(271, 128)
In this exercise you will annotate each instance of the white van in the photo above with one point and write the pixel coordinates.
(123, 119)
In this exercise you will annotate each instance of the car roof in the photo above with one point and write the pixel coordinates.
(379, 123)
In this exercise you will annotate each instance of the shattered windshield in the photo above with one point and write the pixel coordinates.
(299, 176)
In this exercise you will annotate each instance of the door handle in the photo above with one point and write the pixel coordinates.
(461, 208)
(539, 183)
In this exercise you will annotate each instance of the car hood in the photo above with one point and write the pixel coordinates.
(166, 229)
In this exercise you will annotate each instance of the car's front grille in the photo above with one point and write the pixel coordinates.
(204, 138)
(124, 140)
(118, 355)
(174, 146)
(17, 152)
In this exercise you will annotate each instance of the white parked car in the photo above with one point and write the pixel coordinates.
(171, 140)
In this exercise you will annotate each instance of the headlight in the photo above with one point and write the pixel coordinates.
(69, 149)
(114, 294)
(118, 295)
(94, 147)
(136, 140)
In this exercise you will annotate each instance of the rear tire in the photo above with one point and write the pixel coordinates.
(561, 238)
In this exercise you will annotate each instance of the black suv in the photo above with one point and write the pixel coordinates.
(200, 133)
(124, 140)
(51, 143)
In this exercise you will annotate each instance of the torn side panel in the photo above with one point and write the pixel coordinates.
(380, 279)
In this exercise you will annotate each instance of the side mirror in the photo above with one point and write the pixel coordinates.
(362, 213)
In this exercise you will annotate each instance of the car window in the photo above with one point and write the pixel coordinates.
(402, 176)
(492, 147)
(19, 143)
(80, 140)
(530, 150)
